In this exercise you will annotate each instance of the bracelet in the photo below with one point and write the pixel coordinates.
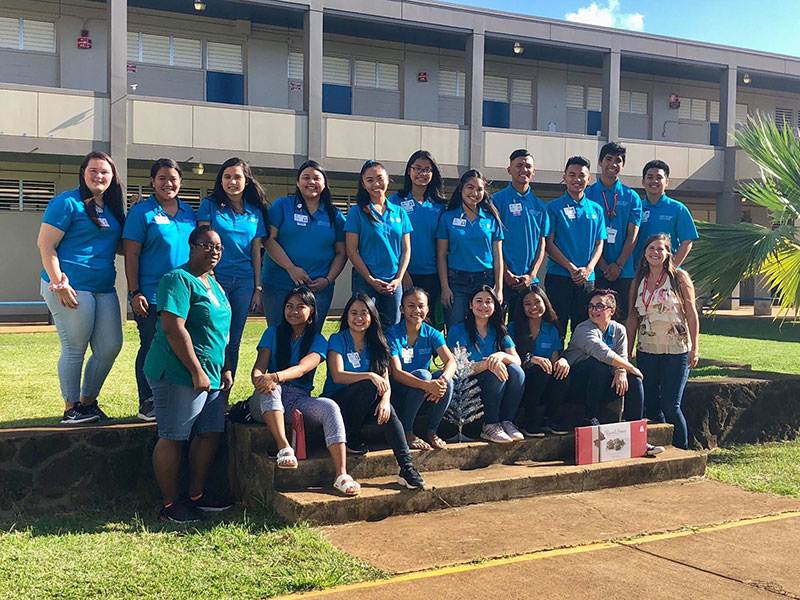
(327, 281)
(278, 376)
(259, 288)
(135, 293)
(54, 287)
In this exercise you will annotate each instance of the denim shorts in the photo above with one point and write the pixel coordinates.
(180, 409)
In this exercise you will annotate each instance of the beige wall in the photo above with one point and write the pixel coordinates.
(21, 265)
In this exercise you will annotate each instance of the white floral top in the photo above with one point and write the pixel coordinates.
(663, 328)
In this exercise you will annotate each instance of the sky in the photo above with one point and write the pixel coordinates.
(767, 25)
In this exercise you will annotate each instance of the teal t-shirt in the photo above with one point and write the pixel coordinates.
(208, 321)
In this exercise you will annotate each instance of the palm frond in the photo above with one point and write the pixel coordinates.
(767, 194)
(781, 270)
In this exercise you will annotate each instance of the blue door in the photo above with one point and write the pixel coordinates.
(337, 99)
(496, 114)
(714, 134)
(225, 87)
(594, 122)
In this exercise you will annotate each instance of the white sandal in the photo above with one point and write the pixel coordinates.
(286, 458)
(347, 485)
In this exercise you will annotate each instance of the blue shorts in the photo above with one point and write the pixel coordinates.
(179, 409)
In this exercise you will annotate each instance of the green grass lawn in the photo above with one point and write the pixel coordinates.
(770, 468)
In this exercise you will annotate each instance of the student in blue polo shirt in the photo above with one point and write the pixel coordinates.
(305, 245)
(78, 241)
(423, 199)
(378, 242)
(526, 224)
(469, 246)
(574, 245)
(412, 344)
(237, 210)
(155, 240)
(662, 214)
(622, 214)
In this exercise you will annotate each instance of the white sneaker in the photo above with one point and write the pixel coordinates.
(494, 432)
(654, 450)
(512, 431)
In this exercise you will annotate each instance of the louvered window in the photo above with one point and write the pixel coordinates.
(695, 109)
(9, 33)
(16, 194)
(521, 91)
(224, 57)
(713, 111)
(388, 76)
(186, 53)
(495, 89)
(639, 103)
(371, 74)
(341, 202)
(295, 66)
(741, 113)
(783, 117)
(452, 83)
(335, 70)
(155, 49)
(164, 50)
(594, 98)
(27, 34)
(366, 74)
(189, 195)
(575, 96)
(134, 47)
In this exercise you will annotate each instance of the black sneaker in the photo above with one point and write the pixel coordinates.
(556, 429)
(534, 431)
(92, 409)
(357, 449)
(211, 503)
(410, 478)
(147, 411)
(75, 416)
(180, 512)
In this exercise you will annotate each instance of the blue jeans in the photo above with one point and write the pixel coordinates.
(388, 305)
(409, 401)
(501, 398)
(272, 298)
(665, 377)
(239, 291)
(463, 284)
(147, 331)
(96, 322)
(180, 409)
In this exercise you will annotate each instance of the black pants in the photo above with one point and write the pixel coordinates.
(542, 396)
(590, 385)
(358, 402)
(569, 300)
(432, 285)
(623, 288)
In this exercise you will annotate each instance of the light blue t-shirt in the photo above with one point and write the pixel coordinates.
(577, 226)
(424, 219)
(665, 216)
(621, 206)
(237, 232)
(420, 354)
(379, 244)
(547, 342)
(270, 340)
(342, 343)
(164, 240)
(526, 222)
(86, 252)
(485, 346)
(308, 240)
(469, 242)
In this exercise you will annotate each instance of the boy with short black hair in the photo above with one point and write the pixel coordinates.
(574, 245)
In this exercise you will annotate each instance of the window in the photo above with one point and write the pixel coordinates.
(189, 195)
(371, 74)
(575, 96)
(741, 113)
(713, 111)
(521, 91)
(495, 89)
(27, 34)
(163, 50)
(224, 57)
(452, 83)
(295, 66)
(695, 109)
(186, 53)
(588, 98)
(594, 98)
(783, 117)
(335, 70)
(19, 194)
(633, 102)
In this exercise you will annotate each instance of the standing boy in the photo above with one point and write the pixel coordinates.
(622, 214)
(574, 244)
(525, 219)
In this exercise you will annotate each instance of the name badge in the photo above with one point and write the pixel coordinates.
(355, 359)
(645, 216)
(407, 354)
(459, 222)
(516, 209)
(408, 205)
(612, 235)
(321, 223)
(161, 220)
(103, 222)
(570, 212)
(301, 220)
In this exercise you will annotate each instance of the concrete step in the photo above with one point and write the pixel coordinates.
(381, 496)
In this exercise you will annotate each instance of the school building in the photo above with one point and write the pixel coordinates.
(341, 81)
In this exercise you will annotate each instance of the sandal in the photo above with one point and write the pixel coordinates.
(418, 444)
(286, 458)
(435, 441)
(347, 485)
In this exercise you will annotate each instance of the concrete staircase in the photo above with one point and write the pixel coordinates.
(466, 473)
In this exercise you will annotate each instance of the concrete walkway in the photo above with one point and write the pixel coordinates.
(680, 539)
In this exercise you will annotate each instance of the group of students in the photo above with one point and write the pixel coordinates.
(193, 279)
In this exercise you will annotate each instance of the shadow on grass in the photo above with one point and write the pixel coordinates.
(751, 328)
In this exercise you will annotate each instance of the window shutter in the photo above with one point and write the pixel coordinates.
(713, 111)
(34, 194)
(336, 70)
(495, 89)
(155, 49)
(295, 66)
(365, 74)
(133, 47)
(783, 117)
(741, 113)
(448, 83)
(186, 53)
(224, 57)
(685, 110)
(521, 91)
(9, 33)
(39, 36)
(594, 98)
(699, 108)
(639, 103)
(574, 96)
(388, 76)
(624, 101)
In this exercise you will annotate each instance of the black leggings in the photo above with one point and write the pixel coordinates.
(591, 386)
(543, 394)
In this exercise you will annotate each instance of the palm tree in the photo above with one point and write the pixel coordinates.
(725, 254)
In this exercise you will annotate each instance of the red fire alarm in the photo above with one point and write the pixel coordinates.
(85, 42)
(674, 101)
(131, 68)
(422, 77)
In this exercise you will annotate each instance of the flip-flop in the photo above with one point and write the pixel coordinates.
(436, 442)
(286, 458)
(419, 444)
(347, 485)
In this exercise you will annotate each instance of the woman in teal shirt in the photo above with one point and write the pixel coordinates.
(184, 368)
(237, 211)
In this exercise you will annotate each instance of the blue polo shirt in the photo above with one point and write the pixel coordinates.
(237, 232)
(270, 340)
(308, 240)
(547, 342)
(486, 346)
(526, 223)
(424, 219)
(665, 216)
(621, 206)
(470, 242)
(577, 227)
(342, 343)
(420, 354)
(86, 252)
(164, 240)
(379, 244)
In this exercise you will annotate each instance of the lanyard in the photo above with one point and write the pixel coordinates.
(645, 300)
(613, 211)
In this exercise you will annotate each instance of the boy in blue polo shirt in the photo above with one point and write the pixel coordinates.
(622, 214)
(526, 222)
(574, 245)
(662, 214)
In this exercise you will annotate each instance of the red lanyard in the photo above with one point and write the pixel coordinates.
(613, 211)
(645, 300)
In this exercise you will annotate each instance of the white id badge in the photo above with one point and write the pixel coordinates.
(161, 220)
(103, 222)
(570, 212)
(645, 216)
(408, 205)
(459, 222)
(612, 235)
(355, 359)
(301, 220)
(407, 355)
(516, 209)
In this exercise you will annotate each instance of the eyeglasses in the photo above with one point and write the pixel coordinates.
(209, 247)
(421, 170)
(598, 307)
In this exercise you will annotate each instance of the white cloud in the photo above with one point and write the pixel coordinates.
(607, 16)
